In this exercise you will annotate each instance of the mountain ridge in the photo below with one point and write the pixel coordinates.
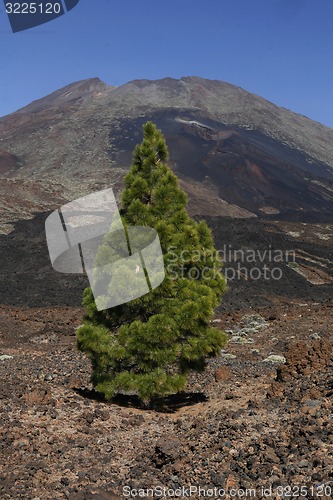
(185, 93)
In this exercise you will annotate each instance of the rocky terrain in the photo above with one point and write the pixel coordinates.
(249, 422)
(258, 422)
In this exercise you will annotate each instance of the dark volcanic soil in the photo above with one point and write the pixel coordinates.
(300, 253)
(247, 167)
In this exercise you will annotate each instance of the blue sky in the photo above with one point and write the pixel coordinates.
(281, 50)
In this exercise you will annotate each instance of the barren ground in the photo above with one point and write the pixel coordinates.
(244, 423)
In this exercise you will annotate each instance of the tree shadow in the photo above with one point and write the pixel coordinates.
(165, 404)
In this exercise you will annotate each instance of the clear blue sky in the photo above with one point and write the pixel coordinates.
(281, 50)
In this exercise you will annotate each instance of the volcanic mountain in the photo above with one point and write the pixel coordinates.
(236, 154)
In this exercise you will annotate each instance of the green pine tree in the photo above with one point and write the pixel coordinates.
(147, 346)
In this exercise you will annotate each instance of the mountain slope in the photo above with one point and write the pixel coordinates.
(236, 153)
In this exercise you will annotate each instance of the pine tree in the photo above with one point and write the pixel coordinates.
(147, 346)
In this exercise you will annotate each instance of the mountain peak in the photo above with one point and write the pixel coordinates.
(81, 90)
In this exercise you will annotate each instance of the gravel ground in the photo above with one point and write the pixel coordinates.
(244, 423)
